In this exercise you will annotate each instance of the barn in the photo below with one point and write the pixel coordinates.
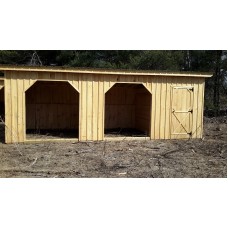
(59, 103)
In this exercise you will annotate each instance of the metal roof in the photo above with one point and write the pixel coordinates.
(101, 71)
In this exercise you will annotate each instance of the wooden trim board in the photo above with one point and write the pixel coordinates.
(103, 71)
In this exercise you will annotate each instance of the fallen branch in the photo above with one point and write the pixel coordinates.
(104, 150)
(15, 136)
(84, 151)
(33, 162)
(152, 148)
(169, 152)
(122, 173)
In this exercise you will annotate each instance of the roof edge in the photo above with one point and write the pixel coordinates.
(102, 71)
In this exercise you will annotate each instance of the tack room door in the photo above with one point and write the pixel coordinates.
(181, 108)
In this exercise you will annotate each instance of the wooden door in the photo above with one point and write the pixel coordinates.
(182, 108)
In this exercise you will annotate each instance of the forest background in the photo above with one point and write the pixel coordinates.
(214, 61)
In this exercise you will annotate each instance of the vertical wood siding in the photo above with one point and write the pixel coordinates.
(52, 105)
(92, 89)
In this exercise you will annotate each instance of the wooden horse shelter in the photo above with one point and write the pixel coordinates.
(90, 102)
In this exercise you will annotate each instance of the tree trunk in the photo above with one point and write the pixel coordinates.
(216, 100)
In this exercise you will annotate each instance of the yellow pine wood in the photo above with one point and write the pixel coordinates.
(89, 106)
(200, 108)
(102, 71)
(8, 109)
(83, 114)
(14, 107)
(151, 106)
(20, 112)
(74, 81)
(92, 89)
(52, 105)
(95, 108)
(162, 108)
(173, 105)
(158, 108)
(153, 113)
(101, 104)
(182, 101)
(195, 107)
(183, 117)
(167, 109)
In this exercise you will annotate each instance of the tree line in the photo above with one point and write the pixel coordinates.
(214, 61)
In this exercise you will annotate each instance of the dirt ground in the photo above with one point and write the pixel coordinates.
(142, 158)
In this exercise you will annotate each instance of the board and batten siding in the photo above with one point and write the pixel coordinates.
(52, 106)
(92, 89)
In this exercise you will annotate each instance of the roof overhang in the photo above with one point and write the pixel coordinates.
(102, 71)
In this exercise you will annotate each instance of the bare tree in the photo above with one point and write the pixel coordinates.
(217, 81)
(35, 60)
